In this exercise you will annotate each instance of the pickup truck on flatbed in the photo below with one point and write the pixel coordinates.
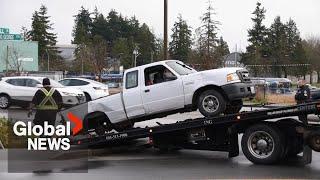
(167, 87)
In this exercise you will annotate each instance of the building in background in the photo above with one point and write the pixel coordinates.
(233, 60)
(67, 52)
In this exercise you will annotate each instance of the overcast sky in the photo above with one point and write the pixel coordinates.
(233, 14)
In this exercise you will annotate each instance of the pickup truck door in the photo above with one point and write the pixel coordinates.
(132, 95)
(162, 96)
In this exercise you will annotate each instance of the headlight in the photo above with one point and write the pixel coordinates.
(69, 94)
(97, 88)
(232, 77)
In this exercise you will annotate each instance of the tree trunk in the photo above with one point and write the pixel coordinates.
(311, 79)
(318, 76)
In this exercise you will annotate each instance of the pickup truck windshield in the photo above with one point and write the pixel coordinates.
(180, 68)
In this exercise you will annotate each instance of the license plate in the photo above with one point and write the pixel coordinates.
(252, 89)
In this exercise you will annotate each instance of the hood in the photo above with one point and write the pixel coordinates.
(226, 71)
(216, 76)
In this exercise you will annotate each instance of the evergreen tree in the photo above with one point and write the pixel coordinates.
(83, 26)
(181, 43)
(119, 34)
(276, 42)
(41, 31)
(207, 38)
(82, 37)
(256, 38)
(121, 50)
(99, 25)
(285, 47)
(146, 43)
(221, 51)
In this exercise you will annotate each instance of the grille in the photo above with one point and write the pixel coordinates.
(244, 75)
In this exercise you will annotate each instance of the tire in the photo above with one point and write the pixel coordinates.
(211, 103)
(294, 141)
(88, 97)
(98, 123)
(5, 101)
(234, 107)
(271, 142)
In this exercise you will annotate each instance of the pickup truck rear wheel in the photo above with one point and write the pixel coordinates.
(211, 103)
(98, 123)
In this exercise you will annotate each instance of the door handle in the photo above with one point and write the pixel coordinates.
(147, 90)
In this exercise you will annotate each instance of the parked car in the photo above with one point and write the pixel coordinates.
(20, 91)
(167, 87)
(113, 85)
(314, 92)
(92, 89)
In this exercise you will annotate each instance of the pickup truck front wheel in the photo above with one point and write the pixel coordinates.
(211, 103)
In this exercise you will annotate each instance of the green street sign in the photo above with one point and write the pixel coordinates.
(10, 37)
(4, 31)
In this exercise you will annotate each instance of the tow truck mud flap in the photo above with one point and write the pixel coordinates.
(233, 142)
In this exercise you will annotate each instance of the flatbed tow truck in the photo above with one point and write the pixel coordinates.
(269, 136)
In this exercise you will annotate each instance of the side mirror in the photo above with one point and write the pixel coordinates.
(171, 78)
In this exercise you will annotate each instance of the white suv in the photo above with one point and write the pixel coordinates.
(20, 90)
(92, 89)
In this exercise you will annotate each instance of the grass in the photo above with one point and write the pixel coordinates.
(7, 136)
(280, 99)
(316, 85)
(4, 131)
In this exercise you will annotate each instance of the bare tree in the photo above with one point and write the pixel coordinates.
(312, 48)
(14, 61)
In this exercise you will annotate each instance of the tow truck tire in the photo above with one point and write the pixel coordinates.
(263, 144)
(294, 141)
(211, 103)
(234, 107)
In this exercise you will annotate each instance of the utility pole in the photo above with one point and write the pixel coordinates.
(165, 38)
(48, 59)
(7, 61)
(152, 53)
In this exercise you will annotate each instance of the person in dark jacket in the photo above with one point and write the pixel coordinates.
(303, 95)
(47, 102)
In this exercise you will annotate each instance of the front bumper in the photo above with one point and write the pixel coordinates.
(239, 91)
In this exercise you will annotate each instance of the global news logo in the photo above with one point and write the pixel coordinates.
(48, 137)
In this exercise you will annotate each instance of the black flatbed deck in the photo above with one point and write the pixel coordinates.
(216, 134)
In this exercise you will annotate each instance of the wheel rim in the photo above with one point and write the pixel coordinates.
(210, 103)
(4, 101)
(261, 144)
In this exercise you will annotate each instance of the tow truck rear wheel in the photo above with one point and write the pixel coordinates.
(211, 103)
(263, 144)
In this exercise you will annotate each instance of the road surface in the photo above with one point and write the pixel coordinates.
(140, 163)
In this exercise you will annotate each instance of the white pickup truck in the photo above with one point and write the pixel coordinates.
(166, 87)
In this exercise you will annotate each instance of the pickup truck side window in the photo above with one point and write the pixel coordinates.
(132, 79)
(157, 74)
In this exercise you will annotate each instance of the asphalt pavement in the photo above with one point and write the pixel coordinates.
(141, 163)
